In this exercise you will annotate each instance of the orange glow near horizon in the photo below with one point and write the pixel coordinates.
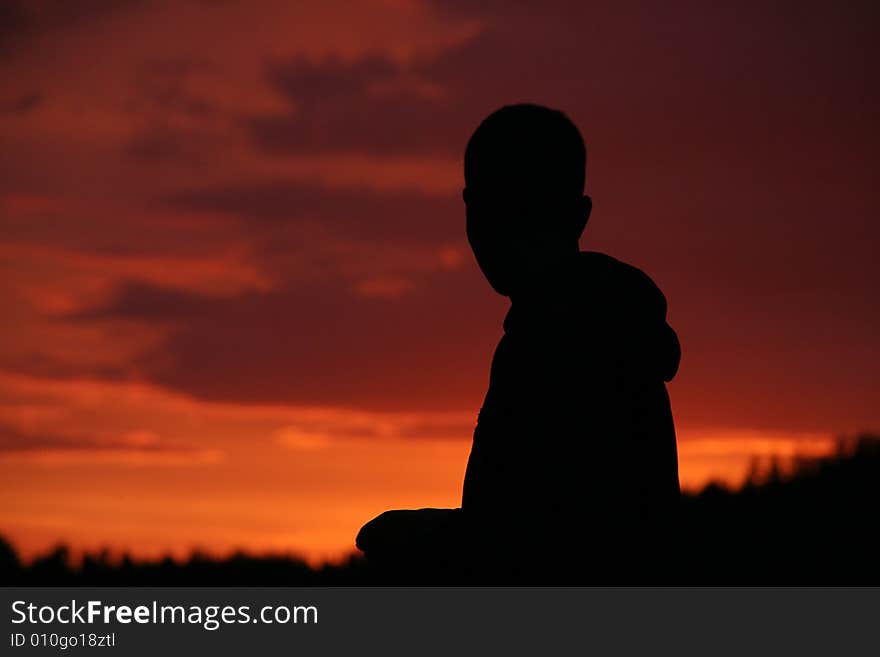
(259, 505)
(270, 480)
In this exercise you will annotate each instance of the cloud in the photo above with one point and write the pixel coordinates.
(130, 448)
(24, 19)
(71, 279)
(322, 432)
(357, 213)
(314, 342)
(381, 243)
(373, 104)
(39, 415)
(23, 104)
(430, 103)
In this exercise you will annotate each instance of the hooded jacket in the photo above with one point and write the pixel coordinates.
(575, 432)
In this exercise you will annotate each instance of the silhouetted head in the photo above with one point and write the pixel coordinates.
(524, 172)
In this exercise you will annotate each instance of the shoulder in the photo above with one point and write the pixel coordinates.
(622, 280)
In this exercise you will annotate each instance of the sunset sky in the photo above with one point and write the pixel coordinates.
(239, 309)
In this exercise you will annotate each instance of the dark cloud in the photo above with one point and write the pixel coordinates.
(166, 86)
(369, 105)
(36, 364)
(355, 213)
(431, 104)
(21, 20)
(13, 439)
(23, 104)
(319, 343)
(663, 78)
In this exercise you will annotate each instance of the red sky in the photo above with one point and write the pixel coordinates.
(239, 305)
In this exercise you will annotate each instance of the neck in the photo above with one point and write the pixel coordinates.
(550, 282)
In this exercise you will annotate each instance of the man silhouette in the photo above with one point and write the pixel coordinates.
(573, 469)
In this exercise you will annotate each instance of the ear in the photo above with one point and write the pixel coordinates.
(583, 215)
